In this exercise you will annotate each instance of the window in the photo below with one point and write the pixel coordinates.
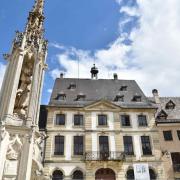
(128, 145)
(102, 120)
(162, 115)
(170, 105)
(60, 119)
(77, 175)
(57, 175)
(103, 147)
(178, 134)
(119, 98)
(78, 120)
(146, 145)
(123, 88)
(176, 161)
(103, 144)
(78, 145)
(142, 120)
(136, 98)
(59, 145)
(167, 135)
(61, 97)
(125, 120)
(72, 86)
(80, 97)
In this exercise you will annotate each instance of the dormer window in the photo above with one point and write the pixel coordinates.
(80, 97)
(123, 88)
(162, 115)
(170, 105)
(61, 96)
(72, 86)
(136, 98)
(119, 98)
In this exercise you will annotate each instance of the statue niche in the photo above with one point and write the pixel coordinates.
(24, 88)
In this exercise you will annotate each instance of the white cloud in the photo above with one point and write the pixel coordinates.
(2, 71)
(55, 73)
(131, 11)
(153, 58)
(119, 1)
(49, 91)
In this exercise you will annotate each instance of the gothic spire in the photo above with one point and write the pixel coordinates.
(34, 29)
(38, 7)
(33, 36)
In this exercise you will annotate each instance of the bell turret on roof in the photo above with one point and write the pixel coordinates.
(94, 72)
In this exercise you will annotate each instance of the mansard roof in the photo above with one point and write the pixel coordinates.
(173, 115)
(95, 90)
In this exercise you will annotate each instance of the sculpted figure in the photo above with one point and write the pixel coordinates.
(14, 148)
(23, 92)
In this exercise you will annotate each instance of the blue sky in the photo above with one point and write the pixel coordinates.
(119, 35)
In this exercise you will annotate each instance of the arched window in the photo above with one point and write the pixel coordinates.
(130, 174)
(77, 175)
(152, 174)
(57, 175)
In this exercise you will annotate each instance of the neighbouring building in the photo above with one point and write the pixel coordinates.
(168, 124)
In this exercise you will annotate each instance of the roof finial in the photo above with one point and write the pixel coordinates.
(38, 7)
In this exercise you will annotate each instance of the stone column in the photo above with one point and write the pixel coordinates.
(67, 178)
(90, 177)
(10, 83)
(32, 109)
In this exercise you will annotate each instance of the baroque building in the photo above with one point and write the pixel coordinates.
(20, 140)
(100, 128)
(92, 129)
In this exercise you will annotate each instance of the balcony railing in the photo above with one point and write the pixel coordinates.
(104, 156)
(176, 167)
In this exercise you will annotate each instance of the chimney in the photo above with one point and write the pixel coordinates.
(115, 76)
(61, 75)
(156, 96)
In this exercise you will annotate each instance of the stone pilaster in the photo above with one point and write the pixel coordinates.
(25, 165)
(4, 140)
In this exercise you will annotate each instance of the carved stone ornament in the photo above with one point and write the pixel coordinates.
(37, 149)
(18, 39)
(44, 46)
(14, 148)
(6, 56)
(3, 133)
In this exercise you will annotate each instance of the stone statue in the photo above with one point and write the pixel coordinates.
(23, 92)
(14, 147)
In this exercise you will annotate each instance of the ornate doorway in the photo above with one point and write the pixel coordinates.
(105, 174)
